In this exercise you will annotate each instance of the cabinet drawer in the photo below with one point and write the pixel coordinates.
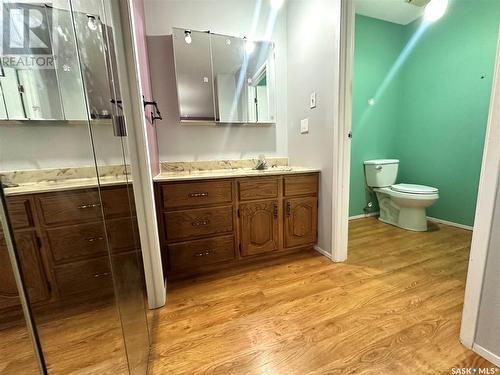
(194, 254)
(196, 193)
(70, 207)
(116, 201)
(257, 188)
(300, 184)
(77, 241)
(87, 276)
(20, 212)
(198, 222)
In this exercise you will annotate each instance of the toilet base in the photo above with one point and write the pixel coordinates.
(409, 218)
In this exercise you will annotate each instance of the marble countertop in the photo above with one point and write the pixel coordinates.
(63, 184)
(228, 173)
(53, 185)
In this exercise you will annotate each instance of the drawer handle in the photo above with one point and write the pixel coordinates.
(198, 195)
(288, 208)
(93, 239)
(90, 205)
(204, 253)
(200, 222)
(104, 274)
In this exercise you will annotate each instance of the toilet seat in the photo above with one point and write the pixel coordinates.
(414, 189)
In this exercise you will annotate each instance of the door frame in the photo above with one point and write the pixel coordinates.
(487, 186)
(484, 214)
(342, 138)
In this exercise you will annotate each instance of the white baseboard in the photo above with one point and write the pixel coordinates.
(450, 223)
(493, 358)
(322, 252)
(363, 216)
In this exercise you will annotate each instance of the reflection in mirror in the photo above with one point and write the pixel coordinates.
(193, 68)
(40, 93)
(243, 89)
(12, 94)
(228, 56)
(260, 82)
(68, 72)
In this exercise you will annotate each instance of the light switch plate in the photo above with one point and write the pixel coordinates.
(313, 100)
(304, 126)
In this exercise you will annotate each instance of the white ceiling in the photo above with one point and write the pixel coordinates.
(396, 11)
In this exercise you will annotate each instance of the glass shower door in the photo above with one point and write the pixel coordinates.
(69, 192)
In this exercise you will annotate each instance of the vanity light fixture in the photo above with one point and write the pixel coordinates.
(435, 10)
(277, 4)
(92, 23)
(187, 36)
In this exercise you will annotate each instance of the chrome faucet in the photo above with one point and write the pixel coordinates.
(261, 163)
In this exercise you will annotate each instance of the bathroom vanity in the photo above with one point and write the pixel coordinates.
(61, 241)
(214, 220)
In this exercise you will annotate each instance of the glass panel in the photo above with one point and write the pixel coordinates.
(193, 70)
(75, 222)
(14, 333)
(228, 55)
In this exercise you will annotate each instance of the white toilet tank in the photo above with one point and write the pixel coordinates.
(381, 173)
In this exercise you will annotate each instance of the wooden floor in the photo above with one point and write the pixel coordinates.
(393, 308)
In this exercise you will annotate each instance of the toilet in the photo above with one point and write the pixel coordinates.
(402, 205)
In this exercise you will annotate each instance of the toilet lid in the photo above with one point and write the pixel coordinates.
(414, 189)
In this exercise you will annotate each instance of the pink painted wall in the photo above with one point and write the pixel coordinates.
(142, 51)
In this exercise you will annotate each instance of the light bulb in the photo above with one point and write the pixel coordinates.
(187, 37)
(92, 24)
(276, 4)
(249, 46)
(435, 10)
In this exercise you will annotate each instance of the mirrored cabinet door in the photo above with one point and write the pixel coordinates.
(193, 69)
(40, 91)
(12, 94)
(68, 73)
(228, 56)
(260, 83)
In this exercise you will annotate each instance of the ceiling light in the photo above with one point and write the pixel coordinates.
(435, 10)
(249, 46)
(187, 37)
(92, 23)
(276, 4)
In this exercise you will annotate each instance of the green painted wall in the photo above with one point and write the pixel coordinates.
(377, 45)
(443, 87)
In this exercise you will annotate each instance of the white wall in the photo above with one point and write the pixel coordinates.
(312, 51)
(44, 145)
(239, 18)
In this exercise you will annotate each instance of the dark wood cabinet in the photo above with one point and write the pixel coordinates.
(63, 241)
(301, 221)
(202, 222)
(31, 267)
(259, 227)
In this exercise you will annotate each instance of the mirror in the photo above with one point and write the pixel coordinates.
(224, 79)
(54, 91)
(193, 68)
(260, 83)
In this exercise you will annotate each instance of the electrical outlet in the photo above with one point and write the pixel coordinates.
(304, 126)
(313, 100)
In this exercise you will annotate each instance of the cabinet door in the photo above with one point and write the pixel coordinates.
(34, 278)
(301, 221)
(259, 227)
